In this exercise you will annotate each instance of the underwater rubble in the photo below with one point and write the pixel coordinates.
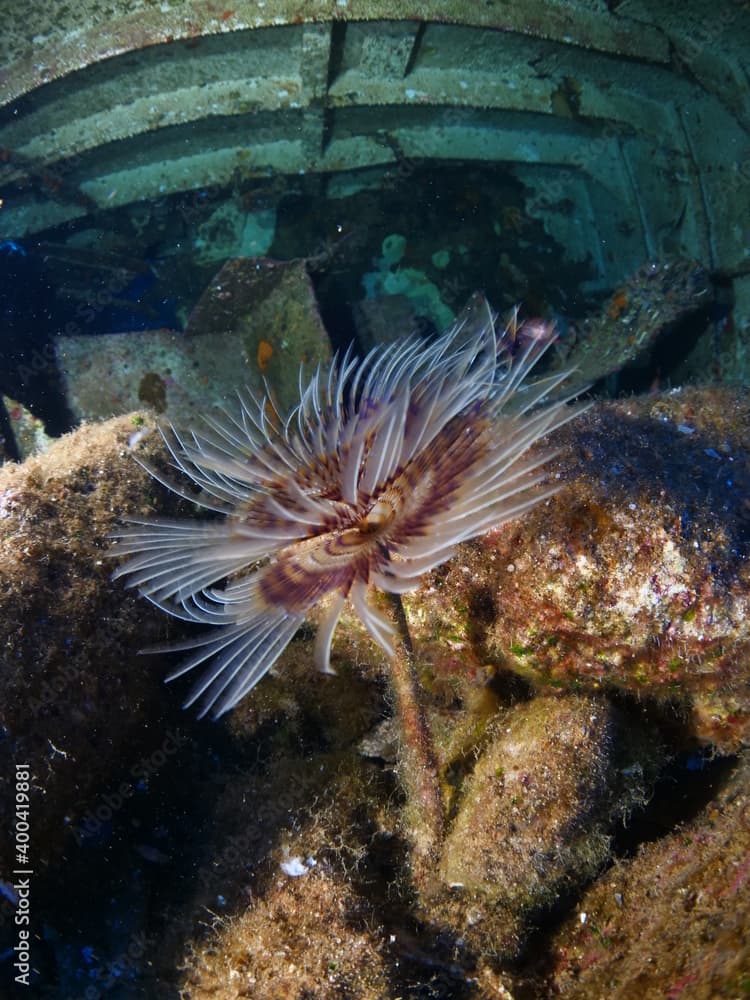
(657, 299)
(670, 921)
(256, 320)
(75, 694)
(568, 662)
(635, 577)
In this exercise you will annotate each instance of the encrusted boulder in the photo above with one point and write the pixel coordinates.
(634, 577)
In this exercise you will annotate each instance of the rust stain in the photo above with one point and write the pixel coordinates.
(265, 353)
(618, 304)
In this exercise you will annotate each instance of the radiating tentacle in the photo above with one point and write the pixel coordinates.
(383, 467)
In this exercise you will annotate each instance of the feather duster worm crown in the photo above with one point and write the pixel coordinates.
(384, 466)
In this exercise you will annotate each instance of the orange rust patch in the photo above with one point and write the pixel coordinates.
(265, 353)
(618, 304)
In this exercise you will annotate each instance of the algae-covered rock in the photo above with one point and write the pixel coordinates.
(634, 577)
(308, 937)
(531, 800)
(295, 863)
(75, 695)
(532, 819)
(672, 921)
